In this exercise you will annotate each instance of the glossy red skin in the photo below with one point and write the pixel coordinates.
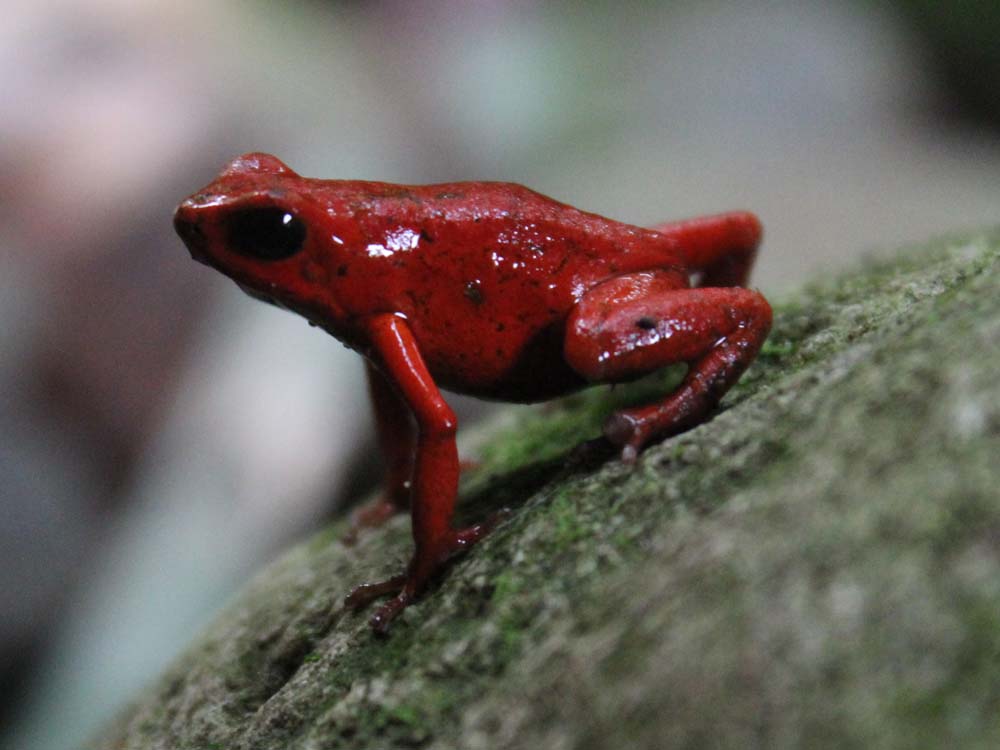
(494, 290)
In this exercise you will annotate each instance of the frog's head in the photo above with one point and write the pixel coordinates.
(253, 223)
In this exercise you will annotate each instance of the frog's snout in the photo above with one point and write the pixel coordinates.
(188, 227)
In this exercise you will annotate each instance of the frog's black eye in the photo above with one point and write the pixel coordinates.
(265, 233)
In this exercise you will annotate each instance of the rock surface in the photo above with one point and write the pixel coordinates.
(817, 566)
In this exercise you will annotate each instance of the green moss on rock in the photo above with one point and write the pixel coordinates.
(818, 565)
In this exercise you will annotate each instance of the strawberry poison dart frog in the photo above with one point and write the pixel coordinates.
(489, 289)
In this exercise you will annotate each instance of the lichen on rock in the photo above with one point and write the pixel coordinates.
(818, 565)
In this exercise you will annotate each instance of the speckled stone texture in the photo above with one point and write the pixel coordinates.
(817, 566)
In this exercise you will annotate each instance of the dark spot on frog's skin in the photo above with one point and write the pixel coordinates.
(402, 193)
(314, 272)
(646, 323)
(474, 292)
(425, 236)
(342, 270)
(476, 219)
(500, 327)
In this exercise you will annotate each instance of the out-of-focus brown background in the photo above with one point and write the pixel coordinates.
(162, 436)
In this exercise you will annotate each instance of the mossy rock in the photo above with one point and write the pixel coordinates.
(816, 566)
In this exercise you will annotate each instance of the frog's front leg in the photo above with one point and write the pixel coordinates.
(434, 479)
(633, 324)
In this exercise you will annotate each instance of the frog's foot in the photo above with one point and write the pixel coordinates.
(371, 515)
(424, 567)
(632, 429)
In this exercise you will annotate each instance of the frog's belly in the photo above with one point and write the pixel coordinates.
(504, 370)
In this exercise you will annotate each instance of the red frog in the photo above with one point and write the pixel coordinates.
(485, 288)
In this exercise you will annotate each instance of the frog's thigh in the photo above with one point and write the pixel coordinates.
(615, 335)
(637, 323)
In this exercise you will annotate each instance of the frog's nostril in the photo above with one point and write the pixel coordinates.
(189, 230)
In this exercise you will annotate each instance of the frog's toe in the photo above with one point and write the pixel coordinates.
(472, 534)
(366, 593)
(625, 431)
(388, 612)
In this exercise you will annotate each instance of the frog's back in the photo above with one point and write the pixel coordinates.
(505, 207)
(487, 221)
(489, 274)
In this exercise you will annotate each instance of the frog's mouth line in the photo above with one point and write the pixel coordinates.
(258, 295)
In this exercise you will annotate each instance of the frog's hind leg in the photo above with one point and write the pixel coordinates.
(634, 324)
(721, 249)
